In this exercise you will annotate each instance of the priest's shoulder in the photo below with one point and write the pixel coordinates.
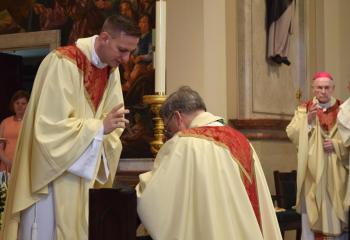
(71, 53)
(213, 132)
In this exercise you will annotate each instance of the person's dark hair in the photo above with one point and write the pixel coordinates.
(184, 100)
(117, 23)
(126, 2)
(150, 23)
(17, 95)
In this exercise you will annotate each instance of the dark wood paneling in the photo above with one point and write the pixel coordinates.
(112, 214)
(11, 78)
(129, 178)
(256, 129)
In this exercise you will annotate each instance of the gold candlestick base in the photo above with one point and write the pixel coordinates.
(155, 102)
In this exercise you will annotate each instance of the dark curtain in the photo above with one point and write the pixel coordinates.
(11, 78)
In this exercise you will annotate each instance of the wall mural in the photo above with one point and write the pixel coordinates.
(83, 18)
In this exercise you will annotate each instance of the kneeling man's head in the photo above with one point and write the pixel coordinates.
(180, 108)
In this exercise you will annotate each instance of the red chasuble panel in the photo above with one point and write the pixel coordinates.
(239, 148)
(95, 79)
(327, 118)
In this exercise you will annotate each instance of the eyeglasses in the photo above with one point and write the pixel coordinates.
(167, 132)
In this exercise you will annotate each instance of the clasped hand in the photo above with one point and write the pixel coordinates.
(328, 145)
(115, 119)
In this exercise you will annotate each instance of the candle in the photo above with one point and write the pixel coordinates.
(160, 46)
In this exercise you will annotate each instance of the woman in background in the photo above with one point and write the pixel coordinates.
(10, 128)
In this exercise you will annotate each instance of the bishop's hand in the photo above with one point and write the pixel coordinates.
(328, 145)
(311, 114)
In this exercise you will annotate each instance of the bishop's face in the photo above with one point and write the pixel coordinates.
(323, 89)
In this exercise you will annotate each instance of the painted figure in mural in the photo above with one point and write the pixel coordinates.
(107, 7)
(15, 13)
(70, 139)
(205, 164)
(140, 62)
(76, 18)
(126, 9)
(322, 163)
(138, 80)
(82, 18)
(147, 7)
(49, 15)
(8, 24)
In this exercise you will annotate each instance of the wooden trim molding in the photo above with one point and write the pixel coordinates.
(42, 39)
(129, 178)
(129, 170)
(261, 129)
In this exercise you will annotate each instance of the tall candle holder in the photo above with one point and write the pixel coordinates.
(155, 102)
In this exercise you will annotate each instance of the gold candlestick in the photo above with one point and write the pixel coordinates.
(155, 102)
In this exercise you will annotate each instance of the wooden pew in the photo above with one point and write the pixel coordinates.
(112, 214)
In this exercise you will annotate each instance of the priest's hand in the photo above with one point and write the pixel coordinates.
(328, 145)
(311, 114)
(115, 119)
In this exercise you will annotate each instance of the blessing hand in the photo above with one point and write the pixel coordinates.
(115, 119)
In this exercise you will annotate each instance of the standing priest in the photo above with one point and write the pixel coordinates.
(70, 136)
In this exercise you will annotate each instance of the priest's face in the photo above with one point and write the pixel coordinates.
(323, 89)
(170, 127)
(176, 122)
(115, 51)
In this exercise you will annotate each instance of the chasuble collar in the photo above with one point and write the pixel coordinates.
(204, 119)
(87, 46)
(95, 58)
(325, 106)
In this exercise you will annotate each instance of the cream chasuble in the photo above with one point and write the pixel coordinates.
(196, 191)
(344, 130)
(322, 177)
(63, 117)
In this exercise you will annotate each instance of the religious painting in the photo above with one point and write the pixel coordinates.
(84, 18)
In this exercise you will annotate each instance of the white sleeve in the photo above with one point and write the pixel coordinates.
(102, 177)
(85, 166)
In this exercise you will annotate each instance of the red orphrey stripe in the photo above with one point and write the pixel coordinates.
(95, 79)
(240, 149)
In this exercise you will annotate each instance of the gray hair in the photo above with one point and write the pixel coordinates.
(184, 100)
